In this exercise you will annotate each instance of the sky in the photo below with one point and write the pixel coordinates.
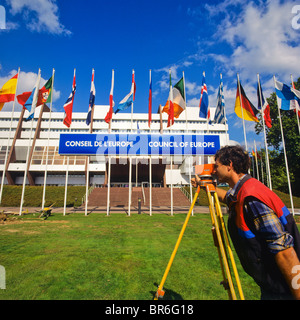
(191, 36)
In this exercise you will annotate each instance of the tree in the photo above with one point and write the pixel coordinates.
(292, 144)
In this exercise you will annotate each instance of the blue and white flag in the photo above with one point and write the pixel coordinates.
(286, 98)
(91, 101)
(32, 100)
(127, 101)
(220, 109)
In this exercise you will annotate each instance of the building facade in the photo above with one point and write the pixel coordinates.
(32, 147)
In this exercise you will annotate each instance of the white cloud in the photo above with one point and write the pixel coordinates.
(39, 15)
(261, 37)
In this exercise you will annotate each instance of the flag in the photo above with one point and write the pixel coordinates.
(111, 100)
(150, 102)
(91, 101)
(68, 106)
(178, 99)
(286, 98)
(169, 107)
(264, 106)
(127, 101)
(249, 112)
(220, 109)
(33, 98)
(8, 91)
(297, 94)
(204, 104)
(44, 95)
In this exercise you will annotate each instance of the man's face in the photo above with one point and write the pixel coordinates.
(222, 172)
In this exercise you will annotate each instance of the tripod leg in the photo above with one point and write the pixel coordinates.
(160, 291)
(223, 228)
(221, 247)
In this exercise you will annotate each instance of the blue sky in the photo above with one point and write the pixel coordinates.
(227, 37)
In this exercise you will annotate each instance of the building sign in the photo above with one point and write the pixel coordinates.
(138, 144)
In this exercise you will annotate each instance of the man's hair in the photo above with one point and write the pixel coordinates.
(235, 154)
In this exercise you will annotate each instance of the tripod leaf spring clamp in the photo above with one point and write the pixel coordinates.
(220, 238)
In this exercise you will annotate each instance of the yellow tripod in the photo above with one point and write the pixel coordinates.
(221, 241)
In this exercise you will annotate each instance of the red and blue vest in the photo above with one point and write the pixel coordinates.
(255, 257)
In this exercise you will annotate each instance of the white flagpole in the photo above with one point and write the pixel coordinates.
(171, 129)
(68, 161)
(297, 107)
(8, 141)
(108, 186)
(226, 129)
(45, 175)
(109, 131)
(150, 165)
(265, 138)
(34, 101)
(130, 178)
(88, 157)
(66, 182)
(191, 157)
(256, 161)
(285, 157)
(246, 147)
(130, 158)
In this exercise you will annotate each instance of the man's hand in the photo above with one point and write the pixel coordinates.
(289, 264)
(195, 181)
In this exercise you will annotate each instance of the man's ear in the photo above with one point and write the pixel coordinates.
(230, 167)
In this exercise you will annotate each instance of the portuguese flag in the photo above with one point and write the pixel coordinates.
(44, 96)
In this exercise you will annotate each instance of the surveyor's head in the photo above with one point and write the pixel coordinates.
(234, 156)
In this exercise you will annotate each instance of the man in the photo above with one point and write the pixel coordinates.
(262, 229)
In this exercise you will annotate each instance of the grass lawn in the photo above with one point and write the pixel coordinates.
(111, 258)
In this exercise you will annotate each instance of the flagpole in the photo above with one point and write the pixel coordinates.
(88, 157)
(226, 129)
(246, 147)
(262, 167)
(8, 141)
(150, 158)
(285, 157)
(66, 181)
(265, 136)
(68, 160)
(34, 101)
(171, 129)
(297, 106)
(130, 158)
(50, 114)
(111, 102)
(190, 157)
(256, 161)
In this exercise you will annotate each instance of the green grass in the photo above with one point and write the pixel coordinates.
(116, 258)
(33, 196)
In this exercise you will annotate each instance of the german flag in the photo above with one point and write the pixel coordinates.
(249, 112)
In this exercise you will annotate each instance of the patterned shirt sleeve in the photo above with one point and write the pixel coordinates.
(268, 225)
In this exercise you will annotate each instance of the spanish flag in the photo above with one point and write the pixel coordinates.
(8, 91)
(249, 112)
